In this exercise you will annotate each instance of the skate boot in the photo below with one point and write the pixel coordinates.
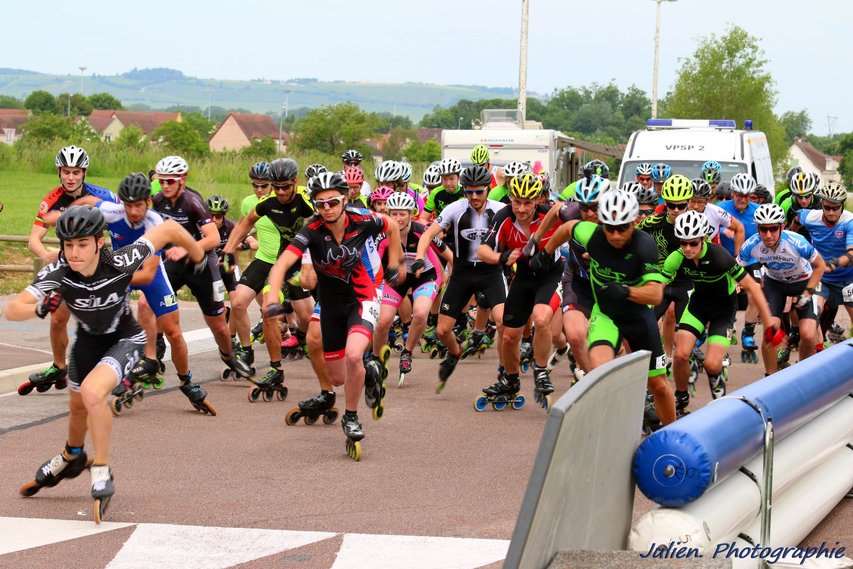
(395, 335)
(129, 388)
(717, 383)
(502, 394)
(271, 386)
(748, 353)
(313, 408)
(161, 352)
(44, 380)
(526, 355)
(835, 334)
(783, 356)
(405, 366)
(354, 434)
(543, 388)
(237, 365)
(651, 422)
(258, 333)
(146, 372)
(102, 490)
(682, 401)
(62, 466)
(196, 394)
(557, 357)
(475, 345)
(375, 373)
(246, 354)
(445, 370)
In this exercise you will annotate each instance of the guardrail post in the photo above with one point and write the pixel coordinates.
(37, 265)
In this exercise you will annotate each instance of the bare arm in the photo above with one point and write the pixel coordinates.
(145, 274)
(563, 234)
(756, 297)
(547, 222)
(818, 268)
(209, 237)
(426, 239)
(277, 273)
(395, 248)
(737, 227)
(171, 232)
(649, 293)
(36, 246)
(22, 307)
(240, 231)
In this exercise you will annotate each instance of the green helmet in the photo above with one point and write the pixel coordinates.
(480, 154)
(217, 204)
(677, 188)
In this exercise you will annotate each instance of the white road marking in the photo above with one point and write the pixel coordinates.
(19, 347)
(17, 534)
(417, 552)
(195, 547)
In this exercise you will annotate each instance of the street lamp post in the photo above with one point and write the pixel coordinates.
(82, 71)
(657, 59)
(459, 123)
(282, 116)
(522, 66)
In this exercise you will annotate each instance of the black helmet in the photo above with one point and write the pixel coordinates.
(352, 156)
(217, 204)
(724, 191)
(283, 170)
(260, 171)
(134, 188)
(80, 221)
(473, 176)
(701, 188)
(762, 193)
(313, 169)
(327, 181)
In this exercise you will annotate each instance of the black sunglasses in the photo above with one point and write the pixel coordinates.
(673, 205)
(621, 228)
(287, 186)
(260, 186)
(474, 192)
(589, 207)
(769, 228)
(831, 208)
(692, 243)
(647, 212)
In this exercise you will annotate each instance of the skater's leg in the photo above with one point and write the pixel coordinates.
(314, 341)
(94, 391)
(444, 331)
(668, 328)
(420, 313)
(272, 337)
(768, 350)
(600, 355)
(59, 334)
(303, 309)
(357, 344)
(576, 327)
(219, 329)
(808, 337)
(481, 319)
(497, 312)
(170, 324)
(405, 310)
(383, 327)
(510, 342)
(684, 342)
(148, 322)
(77, 420)
(664, 398)
(241, 299)
(714, 352)
(542, 340)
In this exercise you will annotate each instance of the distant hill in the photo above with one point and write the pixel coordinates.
(161, 88)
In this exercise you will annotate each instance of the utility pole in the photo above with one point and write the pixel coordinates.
(657, 59)
(830, 119)
(82, 71)
(522, 65)
(282, 116)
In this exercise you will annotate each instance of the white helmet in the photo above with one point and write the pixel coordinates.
(72, 157)
(516, 168)
(617, 207)
(389, 171)
(833, 192)
(692, 225)
(401, 200)
(172, 166)
(407, 171)
(742, 183)
(769, 214)
(432, 175)
(450, 166)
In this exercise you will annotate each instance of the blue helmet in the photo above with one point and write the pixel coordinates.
(711, 165)
(661, 172)
(590, 189)
(260, 171)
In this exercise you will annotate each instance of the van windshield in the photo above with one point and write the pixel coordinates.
(690, 168)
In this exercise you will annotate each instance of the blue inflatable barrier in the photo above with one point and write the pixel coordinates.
(677, 464)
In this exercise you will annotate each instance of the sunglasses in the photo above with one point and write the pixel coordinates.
(260, 186)
(217, 215)
(287, 186)
(588, 207)
(693, 243)
(328, 204)
(168, 181)
(769, 228)
(831, 208)
(647, 212)
(677, 206)
(474, 192)
(621, 228)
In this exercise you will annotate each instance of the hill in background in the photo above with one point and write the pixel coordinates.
(162, 88)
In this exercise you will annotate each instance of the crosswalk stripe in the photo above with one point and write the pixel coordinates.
(18, 534)
(417, 552)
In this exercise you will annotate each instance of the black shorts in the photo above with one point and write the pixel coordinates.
(638, 326)
(577, 295)
(714, 315)
(777, 294)
(230, 279)
(525, 292)
(466, 281)
(120, 350)
(342, 317)
(206, 286)
(836, 294)
(255, 275)
(677, 292)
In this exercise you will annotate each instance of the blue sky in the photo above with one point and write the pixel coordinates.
(437, 41)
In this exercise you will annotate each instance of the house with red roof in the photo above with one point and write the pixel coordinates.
(810, 159)
(11, 121)
(109, 123)
(238, 130)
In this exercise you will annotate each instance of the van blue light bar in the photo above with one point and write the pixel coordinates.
(690, 123)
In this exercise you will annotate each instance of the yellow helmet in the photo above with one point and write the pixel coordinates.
(677, 188)
(480, 154)
(525, 187)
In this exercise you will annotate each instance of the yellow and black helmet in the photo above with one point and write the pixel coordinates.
(525, 187)
(677, 188)
(480, 155)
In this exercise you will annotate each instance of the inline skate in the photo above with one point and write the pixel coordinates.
(311, 409)
(502, 394)
(196, 395)
(62, 466)
(476, 344)
(405, 366)
(375, 373)
(543, 388)
(271, 386)
(354, 434)
(526, 354)
(43, 380)
(245, 355)
(748, 354)
(102, 490)
(445, 370)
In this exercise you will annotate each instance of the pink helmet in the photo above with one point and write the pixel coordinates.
(354, 175)
(382, 193)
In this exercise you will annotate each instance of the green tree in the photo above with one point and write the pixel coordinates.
(48, 127)
(386, 122)
(333, 129)
(180, 138)
(105, 101)
(200, 124)
(260, 149)
(79, 105)
(397, 139)
(796, 125)
(726, 77)
(41, 102)
(131, 138)
(417, 151)
(7, 102)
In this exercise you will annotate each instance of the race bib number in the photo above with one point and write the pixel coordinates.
(218, 291)
(370, 312)
(661, 361)
(847, 293)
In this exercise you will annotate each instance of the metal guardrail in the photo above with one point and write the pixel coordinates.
(36, 265)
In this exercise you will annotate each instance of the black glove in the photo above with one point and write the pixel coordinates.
(614, 292)
(274, 309)
(417, 266)
(48, 304)
(392, 274)
(541, 261)
(505, 256)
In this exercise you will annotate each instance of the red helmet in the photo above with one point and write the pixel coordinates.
(354, 175)
(382, 193)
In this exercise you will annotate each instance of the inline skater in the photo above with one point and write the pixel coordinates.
(512, 170)
(804, 187)
(792, 269)
(647, 198)
(353, 157)
(590, 169)
(712, 306)
(379, 198)
(661, 172)
(391, 174)
(313, 169)
(286, 208)
(184, 205)
(108, 341)
(431, 179)
(447, 193)
(416, 190)
(719, 219)
(423, 280)
(529, 293)
(626, 279)
(643, 174)
(349, 271)
(466, 224)
(354, 177)
(784, 192)
(760, 195)
(480, 157)
(711, 173)
(71, 163)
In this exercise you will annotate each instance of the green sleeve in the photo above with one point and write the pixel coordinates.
(429, 206)
(247, 205)
(155, 187)
(497, 194)
(583, 232)
(568, 192)
(786, 205)
(672, 263)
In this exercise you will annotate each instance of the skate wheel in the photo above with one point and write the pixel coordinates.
(161, 381)
(25, 388)
(140, 394)
(354, 450)
(115, 407)
(440, 387)
(547, 402)
(433, 354)
(60, 384)
(401, 380)
(41, 388)
(519, 402)
(292, 417)
(330, 416)
(267, 395)
(226, 374)
(310, 420)
(385, 354)
(254, 394)
(481, 404)
(281, 394)
(499, 404)
(99, 509)
(378, 411)
(206, 408)
(29, 489)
